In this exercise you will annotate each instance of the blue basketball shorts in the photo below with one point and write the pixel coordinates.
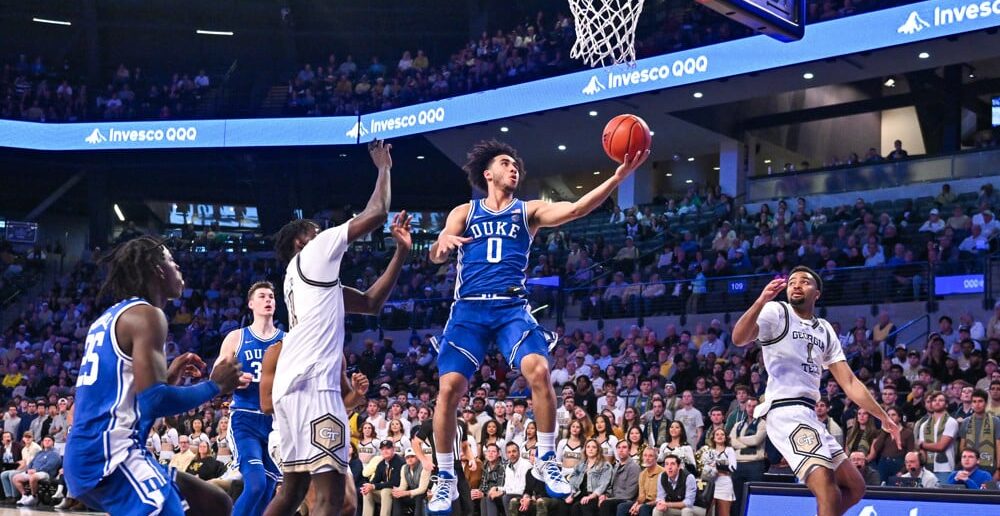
(248, 434)
(474, 324)
(137, 487)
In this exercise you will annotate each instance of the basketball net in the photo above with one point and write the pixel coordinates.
(605, 31)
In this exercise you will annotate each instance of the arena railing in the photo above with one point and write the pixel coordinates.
(874, 176)
(553, 297)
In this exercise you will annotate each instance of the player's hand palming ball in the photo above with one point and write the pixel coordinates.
(626, 134)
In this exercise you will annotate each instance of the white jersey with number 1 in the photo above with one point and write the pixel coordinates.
(314, 345)
(795, 351)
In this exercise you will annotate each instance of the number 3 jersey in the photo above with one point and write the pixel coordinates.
(495, 260)
(795, 351)
(107, 422)
(250, 353)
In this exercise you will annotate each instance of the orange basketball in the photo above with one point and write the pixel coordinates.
(626, 134)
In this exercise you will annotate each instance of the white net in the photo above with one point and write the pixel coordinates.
(605, 31)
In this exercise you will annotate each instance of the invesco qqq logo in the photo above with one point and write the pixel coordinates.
(948, 15)
(170, 134)
(973, 284)
(424, 117)
(679, 68)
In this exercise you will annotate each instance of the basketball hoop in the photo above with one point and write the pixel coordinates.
(605, 31)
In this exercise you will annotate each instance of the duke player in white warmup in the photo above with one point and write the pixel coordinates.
(249, 427)
(125, 384)
(797, 346)
(310, 380)
(493, 238)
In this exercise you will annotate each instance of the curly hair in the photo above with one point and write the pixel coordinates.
(482, 155)
(132, 269)
(284, 240)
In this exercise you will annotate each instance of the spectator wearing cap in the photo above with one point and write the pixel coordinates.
(934, 223)
(413, 483)
(989, 368)
(378, 492)
(60, 424)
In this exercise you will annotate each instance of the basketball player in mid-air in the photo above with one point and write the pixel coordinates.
(310, 378)
(125, 384)
(797, 346)
(493, 238)
(249, 427)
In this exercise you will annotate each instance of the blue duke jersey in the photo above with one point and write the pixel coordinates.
(495, 260)
(250, 353)
(107, 423)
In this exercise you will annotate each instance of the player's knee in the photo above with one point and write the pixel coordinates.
(536, 370)
(451, 390)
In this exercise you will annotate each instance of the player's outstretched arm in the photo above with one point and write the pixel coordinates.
(142, 331)
(377, 211)
(858, 393)
(746, 330)
(451, 236)
(549, 214)
(268, 365)
(370, 302)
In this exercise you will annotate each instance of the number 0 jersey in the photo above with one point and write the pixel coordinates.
(107, 422)
(496, 258)
(795, 351)
(250, 353)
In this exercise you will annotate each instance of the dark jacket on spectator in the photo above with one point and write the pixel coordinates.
(15, 451)
(207, 468)
(387, 474)
(24, 425)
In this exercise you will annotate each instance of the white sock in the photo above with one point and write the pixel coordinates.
(446, 462)
(546, 443)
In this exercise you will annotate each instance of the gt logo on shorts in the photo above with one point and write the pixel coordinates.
(805, 440)
(328, 434)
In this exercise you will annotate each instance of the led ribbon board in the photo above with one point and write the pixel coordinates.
(880, 29)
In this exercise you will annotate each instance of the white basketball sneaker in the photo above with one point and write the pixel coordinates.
(548, 471)
(444, 494)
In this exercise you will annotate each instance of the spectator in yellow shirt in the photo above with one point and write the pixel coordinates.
(13, 377)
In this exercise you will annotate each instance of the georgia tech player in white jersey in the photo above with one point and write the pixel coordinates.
(309, 380)
(797, 346)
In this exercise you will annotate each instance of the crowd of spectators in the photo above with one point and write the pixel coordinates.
(675, 386)
(537, 47)
(38, 91)
(641, 376)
